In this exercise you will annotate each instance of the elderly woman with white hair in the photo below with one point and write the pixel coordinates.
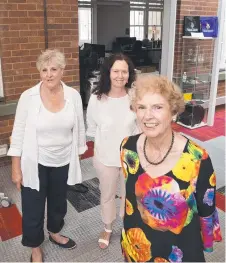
(47, 139)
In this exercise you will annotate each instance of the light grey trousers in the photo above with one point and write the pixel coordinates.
(108, 177)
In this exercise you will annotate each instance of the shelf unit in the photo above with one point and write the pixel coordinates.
(195, 78)
(200, 38)
(202, 124)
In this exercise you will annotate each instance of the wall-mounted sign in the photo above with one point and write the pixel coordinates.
(206, 25)
(191, 25)
(209, 25)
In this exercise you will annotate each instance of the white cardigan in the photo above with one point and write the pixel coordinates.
(24, 137)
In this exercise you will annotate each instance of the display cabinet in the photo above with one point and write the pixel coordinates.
(195, 80)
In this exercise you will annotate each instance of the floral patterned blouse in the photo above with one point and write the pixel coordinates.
(171, 218)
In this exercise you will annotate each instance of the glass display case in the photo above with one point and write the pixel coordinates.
(195, 80)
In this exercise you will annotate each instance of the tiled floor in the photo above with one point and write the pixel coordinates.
(83, 222)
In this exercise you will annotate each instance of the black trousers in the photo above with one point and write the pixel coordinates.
(53, 188)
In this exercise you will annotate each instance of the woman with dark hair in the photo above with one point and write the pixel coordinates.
(104, 86)
(109, 120)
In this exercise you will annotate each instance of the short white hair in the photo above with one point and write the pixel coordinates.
(48, 55)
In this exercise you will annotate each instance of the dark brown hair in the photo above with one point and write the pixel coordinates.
(104, 84)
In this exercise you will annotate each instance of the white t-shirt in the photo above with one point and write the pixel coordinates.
(54, 134)
(110, 120)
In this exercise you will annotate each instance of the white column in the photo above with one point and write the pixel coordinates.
(94, 21)
(216, 64)
(168, 39)
(1, 81)
(146, 18)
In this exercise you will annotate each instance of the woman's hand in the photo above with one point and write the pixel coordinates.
(17, 179)
(17, 176)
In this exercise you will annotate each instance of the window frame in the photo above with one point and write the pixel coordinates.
(156, 25)
(86, 4)
(146, 6)
(138, 6)
(135, 25)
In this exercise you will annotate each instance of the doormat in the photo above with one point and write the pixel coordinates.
(89, 152)
(90, 199)
(10, 223)
(84, 201)
(220, 201)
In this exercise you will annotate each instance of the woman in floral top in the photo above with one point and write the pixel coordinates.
(170, 213)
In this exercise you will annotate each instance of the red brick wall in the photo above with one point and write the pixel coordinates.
(63, 34)
(21, 40)
(221, 88)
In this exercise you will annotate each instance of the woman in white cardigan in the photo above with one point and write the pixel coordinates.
(110, 120)
(47, 139)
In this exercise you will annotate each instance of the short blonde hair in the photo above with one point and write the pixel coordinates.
(159, 84)
(48, 55)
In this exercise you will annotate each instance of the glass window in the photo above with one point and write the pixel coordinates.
(85, 25)
(132, 19)
(155, 32)
(155, 25)
(137, 24)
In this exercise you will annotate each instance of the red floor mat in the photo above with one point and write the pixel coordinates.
(89, 152)
(10, 223)
(220, 201)
(206, 133)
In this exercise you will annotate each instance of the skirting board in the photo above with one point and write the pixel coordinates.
(220, 100)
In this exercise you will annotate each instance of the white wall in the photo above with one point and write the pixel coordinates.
(112, 22)
(1, 81)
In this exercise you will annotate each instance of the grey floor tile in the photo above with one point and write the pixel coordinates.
(218, 143)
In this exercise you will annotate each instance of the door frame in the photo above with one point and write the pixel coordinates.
(168, 38)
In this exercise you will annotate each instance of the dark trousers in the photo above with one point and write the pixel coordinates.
(53, 188)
